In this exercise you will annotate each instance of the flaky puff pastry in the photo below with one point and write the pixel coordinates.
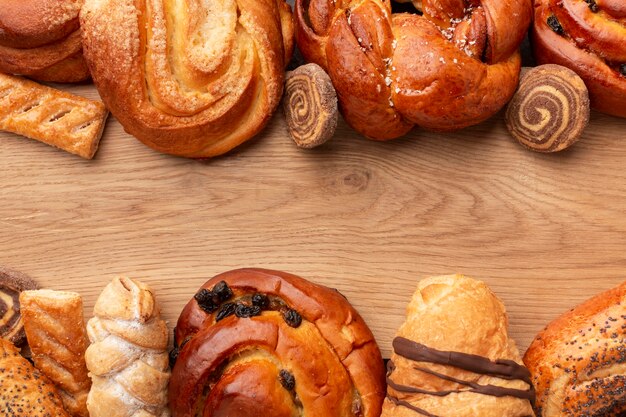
(453, 356)
(128, 359)
(24, 390)
(55, 329)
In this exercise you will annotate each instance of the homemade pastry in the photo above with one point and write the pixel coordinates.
(127, 358)
(310, 106)
(55, 330)
(453, 357)
(577, 361)
(54, 117)
(550, 109)
(24, 391)
(11, 322)
(589, 37)
(454, 66)
(41, 39)
(258, 342)
(192, 79)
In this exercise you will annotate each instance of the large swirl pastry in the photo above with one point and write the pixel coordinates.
(12, 283)
(454, 66)
(256, 342)
(41, 39)
(550, 109)
(190, 78)
(589, 37)
(453, 357)
(127, 358)
(578, 361)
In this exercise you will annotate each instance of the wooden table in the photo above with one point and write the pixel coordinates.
(371, 219)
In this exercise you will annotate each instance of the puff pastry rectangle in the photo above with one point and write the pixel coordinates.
(60, 119)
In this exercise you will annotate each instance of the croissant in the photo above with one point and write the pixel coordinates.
(189, 78)
(454, 66)
(258, 342)
(453, 357)
(577, 361)
(127, 358)
(589, 37)
(41, 39)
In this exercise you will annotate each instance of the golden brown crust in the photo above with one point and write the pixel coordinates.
(446, 69)
(589, 37)
(454, 314)
(577, 361)
(55, 329)
(550, 109)
(24, 390)
(183, 81)
(66, 121)
(305, 336)
(127, 358)
(41, 39)
(12, 283)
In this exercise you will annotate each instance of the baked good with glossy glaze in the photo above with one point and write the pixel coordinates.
(454, 66)
(41, 39)
(55, 328)
(191, 79)
(12, 283)
(24, 390)
(577, 361)
(589, 37)
(127, 358)
(452, 357)
(261, 342)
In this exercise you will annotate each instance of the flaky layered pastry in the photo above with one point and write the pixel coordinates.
(127, 358)
(453, 357)
(41, 39)
(190, 78)
(453, 66)
(256, 342)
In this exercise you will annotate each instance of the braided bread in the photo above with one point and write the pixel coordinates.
(259, 342)
(127, 359)
(454, 66)
(589, 37)
(189, 78)
(41, 39)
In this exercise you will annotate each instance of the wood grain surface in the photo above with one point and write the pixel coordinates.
(368, 218)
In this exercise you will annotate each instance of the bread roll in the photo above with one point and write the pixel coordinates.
(453, 357)
(577, 361)
(256, 342)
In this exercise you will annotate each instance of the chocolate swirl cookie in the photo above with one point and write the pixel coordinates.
(310, 105)
(12, 283)
(258, 342)
(550, 110)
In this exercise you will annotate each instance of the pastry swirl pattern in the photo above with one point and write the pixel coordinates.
(260, 342)
(11, 321)
(453, 66)
(191, 78)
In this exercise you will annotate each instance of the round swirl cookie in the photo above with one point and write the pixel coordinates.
(310, 106)
(259, 342)
(550, 109)
(12, 283)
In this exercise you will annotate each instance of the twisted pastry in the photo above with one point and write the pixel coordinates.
(55, 329)
(453, 357)
(127, 358)
(577, 361)
(454, 66)
(259, 342)
(589, 37)
(41, 39)
(191, 78)
(550, 110)
(12, 283)
(310, 106)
